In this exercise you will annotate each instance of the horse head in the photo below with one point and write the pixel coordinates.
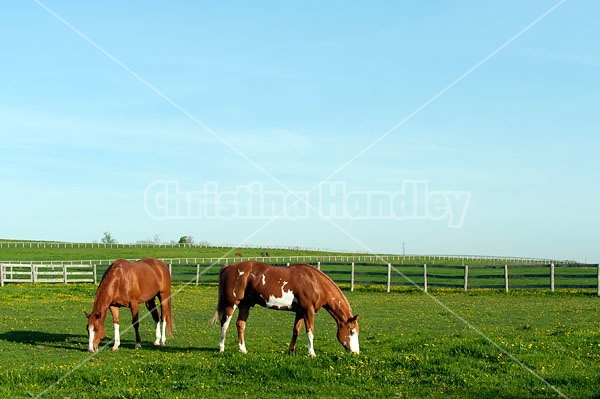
(348, 334)
(95, 329)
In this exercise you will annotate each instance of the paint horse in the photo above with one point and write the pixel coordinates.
(127, 284)
(297, 288)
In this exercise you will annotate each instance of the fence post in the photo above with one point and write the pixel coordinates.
(2, 277)
(33, 272)
(598, 279)
(64, 273)
(466, 277)
(506, 278)
(425, 277)
(95, 273)
(170, 269)
(319, 265)
(352, 277)
(551, 277)
(389, 277)
(197, 272)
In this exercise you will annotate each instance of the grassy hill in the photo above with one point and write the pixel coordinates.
(35, 251)
(11, 250)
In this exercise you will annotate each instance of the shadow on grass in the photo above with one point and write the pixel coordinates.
(56, 340)
(80, 341)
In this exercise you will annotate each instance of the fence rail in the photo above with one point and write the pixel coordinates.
(360, 272)
(47, 273)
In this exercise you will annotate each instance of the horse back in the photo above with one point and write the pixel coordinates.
(254, 282)
(144, 279)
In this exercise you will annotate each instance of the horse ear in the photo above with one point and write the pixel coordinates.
(87, 315)
(353, 318)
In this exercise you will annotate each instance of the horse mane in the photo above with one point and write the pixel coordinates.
(110, 270)
(107, 278)
(337, 289)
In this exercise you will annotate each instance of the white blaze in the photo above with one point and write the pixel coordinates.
(354, 347)
(91, 344)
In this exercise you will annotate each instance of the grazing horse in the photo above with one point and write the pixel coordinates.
(298, 288)
(238, 254)
(127, 284)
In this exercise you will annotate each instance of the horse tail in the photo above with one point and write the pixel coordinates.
(221, 301)
(169, 318)
(214, 318)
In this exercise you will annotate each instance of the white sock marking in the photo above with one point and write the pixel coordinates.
(311, 348)
(224, 333)
(117, 337)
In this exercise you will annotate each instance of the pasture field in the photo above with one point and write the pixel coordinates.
(36, 251)
(479, 344)
(94, 251)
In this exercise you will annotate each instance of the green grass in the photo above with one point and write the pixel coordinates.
(94, 251)
(36, 251)
(413, 346)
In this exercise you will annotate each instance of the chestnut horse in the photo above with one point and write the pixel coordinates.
(297, 288)
(127, 284)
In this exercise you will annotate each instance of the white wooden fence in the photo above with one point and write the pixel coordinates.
(47, 273)
(345, 271)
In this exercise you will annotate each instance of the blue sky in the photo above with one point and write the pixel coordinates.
(487, 111)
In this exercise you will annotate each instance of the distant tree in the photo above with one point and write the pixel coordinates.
(108, 238)
(156, 239)
(186, 240)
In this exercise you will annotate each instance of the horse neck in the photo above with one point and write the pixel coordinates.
(104, 297)
(339, 308)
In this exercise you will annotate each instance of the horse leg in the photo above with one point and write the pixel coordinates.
(151, 306)
(135, 310)
(243, 313)
(297, 326)
(114, 311)
(165, 315)
(225, 320)
(309, 320)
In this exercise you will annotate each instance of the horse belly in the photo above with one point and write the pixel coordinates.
(284, 302)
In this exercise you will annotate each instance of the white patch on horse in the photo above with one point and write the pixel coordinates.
(224, 328)
(311, 347)
(285, 301)
(91, 343)
(241, 273)
(264, 279)
(354, 346)
(117, 337)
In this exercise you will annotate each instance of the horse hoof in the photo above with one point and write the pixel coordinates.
(138, 346)
(114, 349)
